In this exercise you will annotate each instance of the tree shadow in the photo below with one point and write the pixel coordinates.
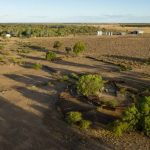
(29, 131)
(63, 62)
(32, 57)
(37, 48)
(27, 79)
(59, 52)
(136, 59)
(20, 129)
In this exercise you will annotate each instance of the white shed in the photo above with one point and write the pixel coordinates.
(99, 33)
(140, 32)
(7, 35)
(137, 32)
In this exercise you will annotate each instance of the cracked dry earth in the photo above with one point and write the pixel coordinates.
(28, 116)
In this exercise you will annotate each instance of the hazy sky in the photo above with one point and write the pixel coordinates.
(75, 11)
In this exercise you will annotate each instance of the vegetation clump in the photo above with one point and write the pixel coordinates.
(76, 118)
(90, 85)
(74, 76)
(112, 103)
(51, 56)
(37, 66)
(73, 117)
(68, 50)
(136, 117)
(64, 78)
(78, 48)
(57, 45)
(1, 47)
(85, 124)
(124, 67)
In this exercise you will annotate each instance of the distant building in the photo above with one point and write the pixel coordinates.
(109, 33)
(99, 33)
(123, 33)
(137, 32)
(7, 35)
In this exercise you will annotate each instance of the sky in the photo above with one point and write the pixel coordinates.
(75, 11)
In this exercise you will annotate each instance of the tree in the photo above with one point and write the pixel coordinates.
(90, 85)
(78, 48)
(57, 45)
(136, 117)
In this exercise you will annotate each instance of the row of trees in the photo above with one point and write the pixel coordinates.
(45, 30)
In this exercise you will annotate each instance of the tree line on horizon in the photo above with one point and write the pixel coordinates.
(45, 30)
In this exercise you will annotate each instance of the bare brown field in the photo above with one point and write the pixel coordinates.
(118, 27)
(28, 97)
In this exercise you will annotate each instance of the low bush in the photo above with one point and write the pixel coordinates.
(74, 76)
(136, 117)
(123, 90)
(51, 56)
(78, 48)
(85, 124)
(1, 47)
(73, 117)
(90, 85)
(16, 60)
(112, 103)
(25, 51)
(57, 44)
(68, 50)
(37, 66)
(64, 78)
(124, 67)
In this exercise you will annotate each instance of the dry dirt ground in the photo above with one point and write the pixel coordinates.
(118, 27)
(28, 116)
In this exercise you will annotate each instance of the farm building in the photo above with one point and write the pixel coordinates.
(137, 32)
(123, 33)
(108, 33)
(99, 33)
(7, 35)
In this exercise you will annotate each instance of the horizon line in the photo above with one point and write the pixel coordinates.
(74, 23)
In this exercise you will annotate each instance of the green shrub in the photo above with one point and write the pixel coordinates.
(49, 83)
(136, 117)
(112, 103)
(128, 122)
(73, 117)
(25, 51)
(15, 60)
(90, 84)
(51, 56)
(78, 48)
(146, 125)
(57, 44)
(124, 67)
(85, 124)
(64, 78)
(120, 127)
(37, 66)
(144, 109)
(1, 47)
(74, 76)
(123, 90)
